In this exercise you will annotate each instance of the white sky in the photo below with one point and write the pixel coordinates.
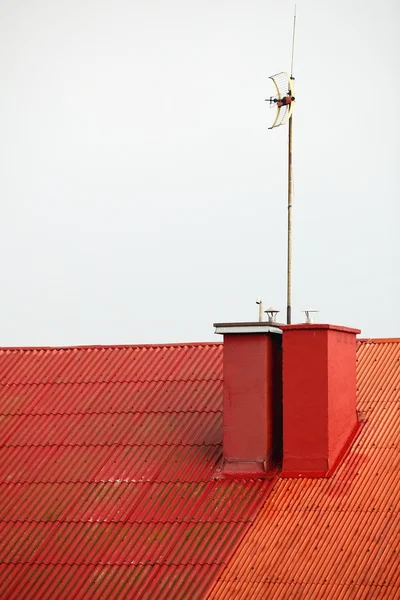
(143, 196)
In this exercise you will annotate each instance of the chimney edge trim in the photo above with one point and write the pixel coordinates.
(247, 329)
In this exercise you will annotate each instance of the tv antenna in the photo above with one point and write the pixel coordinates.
(283, 100)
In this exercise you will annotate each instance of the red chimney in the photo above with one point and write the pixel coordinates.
(252, 398)
(319, 397)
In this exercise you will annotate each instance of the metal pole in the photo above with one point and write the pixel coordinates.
(260, 309)
(290, 195)
(289, 232)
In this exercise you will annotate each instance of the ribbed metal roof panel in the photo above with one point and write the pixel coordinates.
(127, 396)
(107, 582)
(338, 537)
(107, 458)
(106, 502)
(35, 464)
(192, 428)
(274, 590)
(99, 543)
(179, 362)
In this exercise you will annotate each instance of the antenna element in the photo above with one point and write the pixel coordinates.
(293, 37)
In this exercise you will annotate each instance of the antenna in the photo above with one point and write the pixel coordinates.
(293, 39)
(284, 102)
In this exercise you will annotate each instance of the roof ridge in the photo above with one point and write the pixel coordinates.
(395, 340)
(364, 340)
(107, 346)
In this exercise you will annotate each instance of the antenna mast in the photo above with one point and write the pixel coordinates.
(290, 194)
(284, 103)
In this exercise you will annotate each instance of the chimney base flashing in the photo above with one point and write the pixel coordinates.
(244, 470)
(320, 469)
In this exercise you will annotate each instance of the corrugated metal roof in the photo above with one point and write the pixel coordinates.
(106, 462)
(144, 396)
(106, 490)
(106, 429)
(177, 362)
(338, 537)
(108, 582)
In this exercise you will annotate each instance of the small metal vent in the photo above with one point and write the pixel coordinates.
(310, 315)
(271, 313)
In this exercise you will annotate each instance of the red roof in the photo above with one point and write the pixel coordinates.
(338, 537)
(107, 456)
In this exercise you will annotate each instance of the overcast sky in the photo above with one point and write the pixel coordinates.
(143, 196)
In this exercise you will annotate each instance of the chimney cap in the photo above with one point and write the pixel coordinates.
(271, 312)
(247, 327)
(309, 314)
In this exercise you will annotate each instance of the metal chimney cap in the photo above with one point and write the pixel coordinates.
(271, 312)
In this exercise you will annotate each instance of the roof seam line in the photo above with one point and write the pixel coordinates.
(109, 381)
(114, 412)
(114, 444)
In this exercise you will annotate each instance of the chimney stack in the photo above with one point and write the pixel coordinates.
(319, 397)
(289, 396)
(252, 398)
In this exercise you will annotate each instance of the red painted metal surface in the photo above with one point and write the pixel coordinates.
(339, 537)
(107, 457)
(119, 501)
(128, 428)
(108, 463)
(187, 362)
(319, 397)
(107, 582)
(251, 395)
(100, 397)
